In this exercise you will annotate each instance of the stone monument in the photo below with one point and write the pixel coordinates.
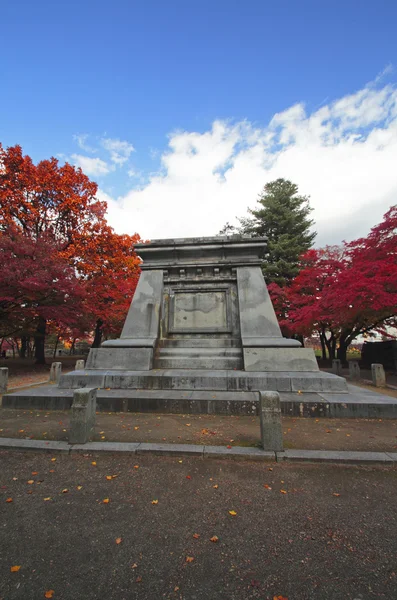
(201, 319)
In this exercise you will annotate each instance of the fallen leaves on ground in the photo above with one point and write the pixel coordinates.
(280, 598)
(215, 486)
(9, 500)
(196, 536)
(188, 424)
(49, 594)
(94, 463)
(265, 485)
(232, 512)
(188, 476)
(119, 540)
(155, 501)
(189, 559)
(283, 491)
(34, 473)
(214, 539)
(335, 494)
(15, 568)
(46, 499)
(136, 466)
(134, 566)
(65, 491)
(53, 459)
(106, 500)
(30, 481)
(79, 487)
(138, 579)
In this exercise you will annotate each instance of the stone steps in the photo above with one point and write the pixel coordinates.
(198, 342)
(198, 362)
(359, 404)
(220, 379)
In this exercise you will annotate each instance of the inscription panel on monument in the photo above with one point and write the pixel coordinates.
(199, 311)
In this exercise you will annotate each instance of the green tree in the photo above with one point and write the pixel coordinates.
(283, 216)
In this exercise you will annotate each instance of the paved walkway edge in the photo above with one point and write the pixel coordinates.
(235, 452)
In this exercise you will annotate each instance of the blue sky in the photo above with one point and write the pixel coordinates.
(153, 81)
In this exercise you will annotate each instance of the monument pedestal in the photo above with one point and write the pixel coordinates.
(202, 319)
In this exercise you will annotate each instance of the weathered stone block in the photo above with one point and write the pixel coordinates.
(82, 420)
(79, 365)
(55, 372)
(280, 359)
(378, 375)
(354, 369)
(123, 359)
(3, 379)
(270, 421)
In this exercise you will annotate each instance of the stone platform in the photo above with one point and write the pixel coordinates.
(358, 403)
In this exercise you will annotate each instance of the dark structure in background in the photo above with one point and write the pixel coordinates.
(384, 353)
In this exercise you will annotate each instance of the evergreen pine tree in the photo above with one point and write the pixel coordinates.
(283, 217)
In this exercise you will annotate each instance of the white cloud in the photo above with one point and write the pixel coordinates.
(81, 139)
(120, 151)
(343, 155)
(91, 166)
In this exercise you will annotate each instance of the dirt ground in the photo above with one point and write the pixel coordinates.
(83, 527)
(24, 372)
(299, 433)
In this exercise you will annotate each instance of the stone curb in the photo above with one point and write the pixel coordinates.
(236, 452)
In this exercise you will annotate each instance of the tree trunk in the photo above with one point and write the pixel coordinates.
(39, 340)
(56, 346)
(71, 351)
(342, 351)
(24, 345)
(98, 334)
(323, 346)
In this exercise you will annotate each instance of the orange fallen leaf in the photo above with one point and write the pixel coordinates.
(187, 424)
(79, 487)
(136, 428)
(21, 430)
(101, 432)
(118, 540)
(189, 559)
(335, 494)
(102, 437)
(267, 486)
(280, 598)
(232, 512)
(228, 447)
(46, 499)
(283, 491)
(214, 539)
(188, 477)
(109, 477)
(136, 466)
(49, 594)
(53, 459)
(34, 473)
(196, 536)
(65, 491)
(328, 431)
(106, 500)
(134, 566)
(31, 481)
(215, 486)
(93, 463)
(9, 500)
(15, 568)
(155, 501)
(270, 469)
(52, 470)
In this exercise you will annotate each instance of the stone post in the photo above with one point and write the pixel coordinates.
(82, 420)
(354, 369)
(55, 372)
(270, 420)
(378, 375)
(337, 366)
(3, 379)
(79, 365)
